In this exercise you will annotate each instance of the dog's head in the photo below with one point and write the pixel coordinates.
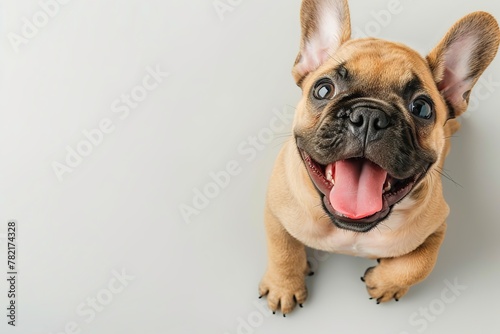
(371, 123)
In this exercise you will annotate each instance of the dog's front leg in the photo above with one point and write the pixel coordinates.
(284, 282)
(393, 277)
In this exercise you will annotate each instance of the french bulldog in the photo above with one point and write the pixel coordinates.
(361, 174)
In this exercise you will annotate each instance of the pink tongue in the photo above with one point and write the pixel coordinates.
(358, 188)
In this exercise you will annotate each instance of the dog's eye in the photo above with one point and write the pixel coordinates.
(421, 108)
(324, 90)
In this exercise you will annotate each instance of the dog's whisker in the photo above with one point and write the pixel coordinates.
(443, 170)
(443, 174)
(338, 60)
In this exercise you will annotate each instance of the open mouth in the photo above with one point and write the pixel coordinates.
(358, 194)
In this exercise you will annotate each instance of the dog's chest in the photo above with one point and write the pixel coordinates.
(370, 245)
(388, 239)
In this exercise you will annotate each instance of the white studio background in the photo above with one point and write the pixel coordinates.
(104, 249)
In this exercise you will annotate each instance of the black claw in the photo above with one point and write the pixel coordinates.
(284, 315)
(311, 274)
(301, 306)
(274, 312)
(362, 279)
(368, 271)
(371, 298)
(379, 300)
(378, 260)
(396, 299)
(260, 297)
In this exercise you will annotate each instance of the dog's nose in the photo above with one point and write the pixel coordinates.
(368, 123)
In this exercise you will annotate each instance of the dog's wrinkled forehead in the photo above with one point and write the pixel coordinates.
(376, 66)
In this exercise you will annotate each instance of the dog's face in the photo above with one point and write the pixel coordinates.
(369, 128)
(371, 124)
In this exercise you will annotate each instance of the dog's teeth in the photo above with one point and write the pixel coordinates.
(388, 187)
(329, 176)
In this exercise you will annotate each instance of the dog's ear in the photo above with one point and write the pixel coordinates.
(326, 25)
(462, 56)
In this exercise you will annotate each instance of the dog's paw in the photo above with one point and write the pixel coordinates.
(283, 293)
(383, 284)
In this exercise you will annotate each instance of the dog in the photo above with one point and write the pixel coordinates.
(361, 173)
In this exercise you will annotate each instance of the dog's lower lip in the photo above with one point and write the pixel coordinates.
(357, 225)
(400, 188)
(315, 174)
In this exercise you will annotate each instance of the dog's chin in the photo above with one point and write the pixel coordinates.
(394, 191)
